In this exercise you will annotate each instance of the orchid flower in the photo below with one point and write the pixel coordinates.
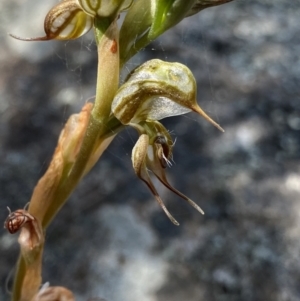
(153, 91)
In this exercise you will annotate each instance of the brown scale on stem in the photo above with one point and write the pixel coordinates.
(31, 235)
(16, 220)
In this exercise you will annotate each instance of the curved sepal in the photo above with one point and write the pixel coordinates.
(160, 156)
(153, 151)
(139, 153)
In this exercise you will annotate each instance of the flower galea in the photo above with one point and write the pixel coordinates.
(154, 91)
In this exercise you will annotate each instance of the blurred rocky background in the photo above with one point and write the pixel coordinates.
(112, 240)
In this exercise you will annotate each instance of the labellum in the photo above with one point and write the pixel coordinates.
(153, 151)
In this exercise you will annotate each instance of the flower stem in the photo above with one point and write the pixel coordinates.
(61, 178)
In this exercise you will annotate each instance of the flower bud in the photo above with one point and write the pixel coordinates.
(146, 20)
(135, 28)
(65, 21)
(167, 14)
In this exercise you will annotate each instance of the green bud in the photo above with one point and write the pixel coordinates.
(135, 28)
(157, 90)
(167, 14)
(146, 20)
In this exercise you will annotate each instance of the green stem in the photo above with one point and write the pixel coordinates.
(108, 71)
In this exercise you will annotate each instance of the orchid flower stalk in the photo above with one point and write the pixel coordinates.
(153, 91)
